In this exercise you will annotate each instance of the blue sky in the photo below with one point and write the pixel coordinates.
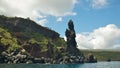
(97, 22)
(88, 18)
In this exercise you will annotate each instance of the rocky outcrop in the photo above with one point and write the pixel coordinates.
(74, 54)
(71, 42)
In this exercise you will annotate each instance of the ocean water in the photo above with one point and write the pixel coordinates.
(113, 64)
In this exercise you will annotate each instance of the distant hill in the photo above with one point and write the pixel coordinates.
(104, 55)
(28, 35)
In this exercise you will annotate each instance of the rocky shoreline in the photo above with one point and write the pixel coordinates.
(22, 57)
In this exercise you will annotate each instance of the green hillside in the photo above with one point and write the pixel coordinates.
(20, 33)
(104, 55)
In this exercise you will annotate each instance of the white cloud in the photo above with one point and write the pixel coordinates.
(37, 8)
(59, 19)
(99, 3)
(42, 22)
(103, 38)
(70, 13)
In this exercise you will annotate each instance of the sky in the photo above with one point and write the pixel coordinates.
(97, 22)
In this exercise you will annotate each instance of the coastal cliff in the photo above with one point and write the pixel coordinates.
(27, 35)
(24, 41)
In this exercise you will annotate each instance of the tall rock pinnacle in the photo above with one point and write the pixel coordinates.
(71, 42)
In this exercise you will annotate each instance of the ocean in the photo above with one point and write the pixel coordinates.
(112, 64)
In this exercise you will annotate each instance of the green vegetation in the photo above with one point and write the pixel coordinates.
(104, 55)
(36, 38)
(60, 42)
(7, 41)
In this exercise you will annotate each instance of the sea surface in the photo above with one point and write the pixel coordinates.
(112, 64)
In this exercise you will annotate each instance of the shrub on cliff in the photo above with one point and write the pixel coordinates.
(7, 41)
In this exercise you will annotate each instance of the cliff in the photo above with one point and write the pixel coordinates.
(27, 35)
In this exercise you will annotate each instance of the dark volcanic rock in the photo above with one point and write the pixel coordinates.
(71, 42)
(74, 55)
(15, 57)
(50, 51)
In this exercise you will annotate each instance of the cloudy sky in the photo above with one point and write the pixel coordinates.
(97, 22)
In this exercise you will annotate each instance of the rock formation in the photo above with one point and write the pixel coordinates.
(71, 42)
(74, 54)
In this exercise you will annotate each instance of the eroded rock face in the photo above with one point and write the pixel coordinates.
(50, 51)
(71, 42)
